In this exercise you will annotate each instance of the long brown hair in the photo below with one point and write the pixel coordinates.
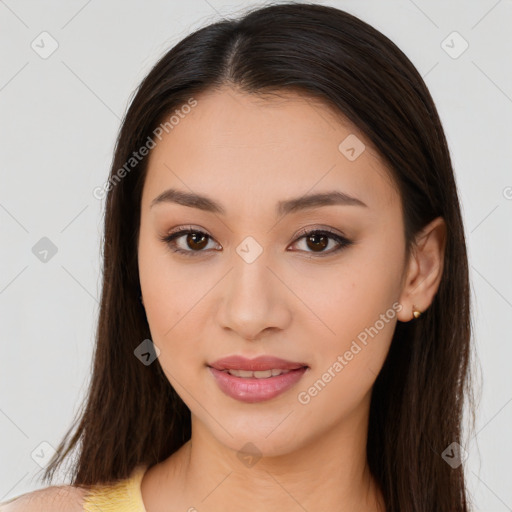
(131, 414)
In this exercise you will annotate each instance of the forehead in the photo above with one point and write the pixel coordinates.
(266, 147)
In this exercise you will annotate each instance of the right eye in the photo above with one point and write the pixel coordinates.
(196, 240)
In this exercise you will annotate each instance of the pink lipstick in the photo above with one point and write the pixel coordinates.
(256, 380)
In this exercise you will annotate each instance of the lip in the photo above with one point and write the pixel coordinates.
(252, 389)
(259, 363)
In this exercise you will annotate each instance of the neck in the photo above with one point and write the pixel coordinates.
(329, 473)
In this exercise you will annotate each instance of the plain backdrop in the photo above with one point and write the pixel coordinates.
(67, 73)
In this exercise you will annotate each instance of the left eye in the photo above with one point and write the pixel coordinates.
(317, 240)
(197, 240)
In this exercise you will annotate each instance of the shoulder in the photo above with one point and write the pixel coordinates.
(61, 498)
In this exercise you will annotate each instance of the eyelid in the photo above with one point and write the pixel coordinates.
(185, 227)
(324, 229)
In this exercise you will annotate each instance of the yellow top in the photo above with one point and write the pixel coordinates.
(123, 496)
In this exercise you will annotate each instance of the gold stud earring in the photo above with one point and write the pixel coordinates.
(416, 313)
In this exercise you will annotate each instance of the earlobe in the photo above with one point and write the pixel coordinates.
(425, 270)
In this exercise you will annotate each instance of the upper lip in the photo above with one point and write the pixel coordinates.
(259, 363)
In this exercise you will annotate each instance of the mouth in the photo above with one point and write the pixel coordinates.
(258, 364)
(261, 374)
(256, 380)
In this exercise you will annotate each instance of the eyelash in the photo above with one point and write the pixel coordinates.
(169, 240)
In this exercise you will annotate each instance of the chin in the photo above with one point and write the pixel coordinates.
(259, 440)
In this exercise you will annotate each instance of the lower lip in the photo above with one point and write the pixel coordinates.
(256, 390)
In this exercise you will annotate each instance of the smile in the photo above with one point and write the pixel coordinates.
(256, 386)
(263, 374)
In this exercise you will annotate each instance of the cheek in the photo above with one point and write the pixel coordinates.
(351, 296)
(174, 300)
(345, 369)
(165, 297)
(359, 314)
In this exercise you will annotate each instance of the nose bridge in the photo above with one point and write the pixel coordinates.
(251, 279)
(253, 298)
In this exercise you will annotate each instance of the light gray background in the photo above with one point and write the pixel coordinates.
(59, 119)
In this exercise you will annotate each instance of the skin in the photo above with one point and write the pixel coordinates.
(248, 153)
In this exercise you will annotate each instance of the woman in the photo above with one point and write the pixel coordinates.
(285, 316)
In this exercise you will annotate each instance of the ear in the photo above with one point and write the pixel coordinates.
(424, 269)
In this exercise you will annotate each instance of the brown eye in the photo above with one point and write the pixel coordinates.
(317, 242)
(189, 242)
(196, 240)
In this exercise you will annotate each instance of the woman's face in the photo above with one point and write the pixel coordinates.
(248, 282)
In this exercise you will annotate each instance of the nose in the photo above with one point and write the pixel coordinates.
(255, 300)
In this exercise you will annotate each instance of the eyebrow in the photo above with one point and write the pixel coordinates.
(284, 207)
